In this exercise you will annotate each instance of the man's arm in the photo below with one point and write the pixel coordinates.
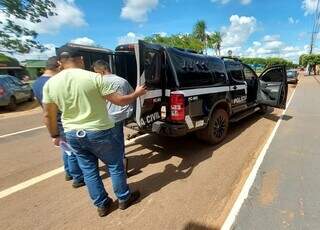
(122, 100)
(50, 118)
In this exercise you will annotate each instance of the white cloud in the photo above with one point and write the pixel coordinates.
(68, 15)
(293, 21)
(272, 46)
(237, 33)
(137, 10)
(309, 6)
(130, 38)
(243, 2)
(84, 41)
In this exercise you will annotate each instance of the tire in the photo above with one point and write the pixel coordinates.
(31, 96)
(217, 129)
(13, 104)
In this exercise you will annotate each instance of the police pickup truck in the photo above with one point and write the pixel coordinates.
(190, 92)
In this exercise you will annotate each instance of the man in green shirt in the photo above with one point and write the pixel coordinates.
(80, 95)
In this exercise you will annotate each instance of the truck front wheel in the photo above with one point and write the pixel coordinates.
(217, 129)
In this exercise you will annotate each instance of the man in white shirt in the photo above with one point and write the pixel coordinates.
(117, 113)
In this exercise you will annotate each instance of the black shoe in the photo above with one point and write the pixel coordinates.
(133, 197)
(67, 177)
(78, 184)
(103, 211)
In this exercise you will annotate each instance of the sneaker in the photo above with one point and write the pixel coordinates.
(67, 177)
(133, 198)
(78, 184)
(103, 211)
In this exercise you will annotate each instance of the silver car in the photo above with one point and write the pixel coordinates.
(13, 91)
(292, 76)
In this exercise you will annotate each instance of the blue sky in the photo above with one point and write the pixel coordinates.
(249, 27)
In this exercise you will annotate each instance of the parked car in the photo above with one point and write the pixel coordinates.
(190, 92)
(292, 76)
(13, 91)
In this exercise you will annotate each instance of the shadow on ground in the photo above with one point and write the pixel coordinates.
(25, 106)
(197, 226)
(190, 150)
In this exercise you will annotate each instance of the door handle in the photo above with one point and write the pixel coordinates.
(235, 87)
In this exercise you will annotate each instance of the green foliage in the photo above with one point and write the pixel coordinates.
(183, 41)
(8, 60)
(199, 30)
(16, 37)
(309, 59)
(266, 62)
(214, 42)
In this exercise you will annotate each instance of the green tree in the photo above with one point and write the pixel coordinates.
(16, 37)
(4, 59)
(199, 32)
(214, 42)
(183, 41)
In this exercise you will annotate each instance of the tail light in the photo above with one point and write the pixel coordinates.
(2, 91)
(177, 107)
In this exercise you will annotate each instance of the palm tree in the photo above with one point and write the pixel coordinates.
(215, 40)
(199, 32)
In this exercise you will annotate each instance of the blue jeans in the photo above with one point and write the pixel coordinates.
(71, 165)
(117, 130)
(89, 146)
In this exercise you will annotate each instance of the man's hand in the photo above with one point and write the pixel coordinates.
(122, 100)
(56, 141)
(140, 90)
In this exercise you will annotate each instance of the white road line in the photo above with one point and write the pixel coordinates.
(45, 176)
(30, 182)
(251, 178)
(23, 131)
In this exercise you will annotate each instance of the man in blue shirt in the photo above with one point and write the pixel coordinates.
(71, 167)
(117, 113)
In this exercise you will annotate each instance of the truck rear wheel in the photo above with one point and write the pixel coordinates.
(217, 129)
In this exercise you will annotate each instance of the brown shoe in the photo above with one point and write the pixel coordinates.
(67, 177)
(133, 198)
(103, 211)
(78, 184)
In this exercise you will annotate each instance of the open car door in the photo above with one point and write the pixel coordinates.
(150, 72)
(273, 87)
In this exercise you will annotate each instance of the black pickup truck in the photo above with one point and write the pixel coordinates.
(190, 92)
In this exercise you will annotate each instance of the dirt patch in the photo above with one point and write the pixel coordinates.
(269, 191)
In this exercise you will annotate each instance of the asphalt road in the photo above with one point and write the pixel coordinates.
(185, 184)
(285, 194)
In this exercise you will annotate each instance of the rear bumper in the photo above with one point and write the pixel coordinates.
(292, 81)
(169, 129)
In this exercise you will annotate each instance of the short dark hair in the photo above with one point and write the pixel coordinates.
(101, 64)
(67, 52)
(52, 63)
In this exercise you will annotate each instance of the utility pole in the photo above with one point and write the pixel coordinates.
(316, 27)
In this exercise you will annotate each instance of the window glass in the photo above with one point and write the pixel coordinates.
(152, 68)
(248, 73)
(273, 75)
(234, 70)
(10, 81)
(236, 75)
